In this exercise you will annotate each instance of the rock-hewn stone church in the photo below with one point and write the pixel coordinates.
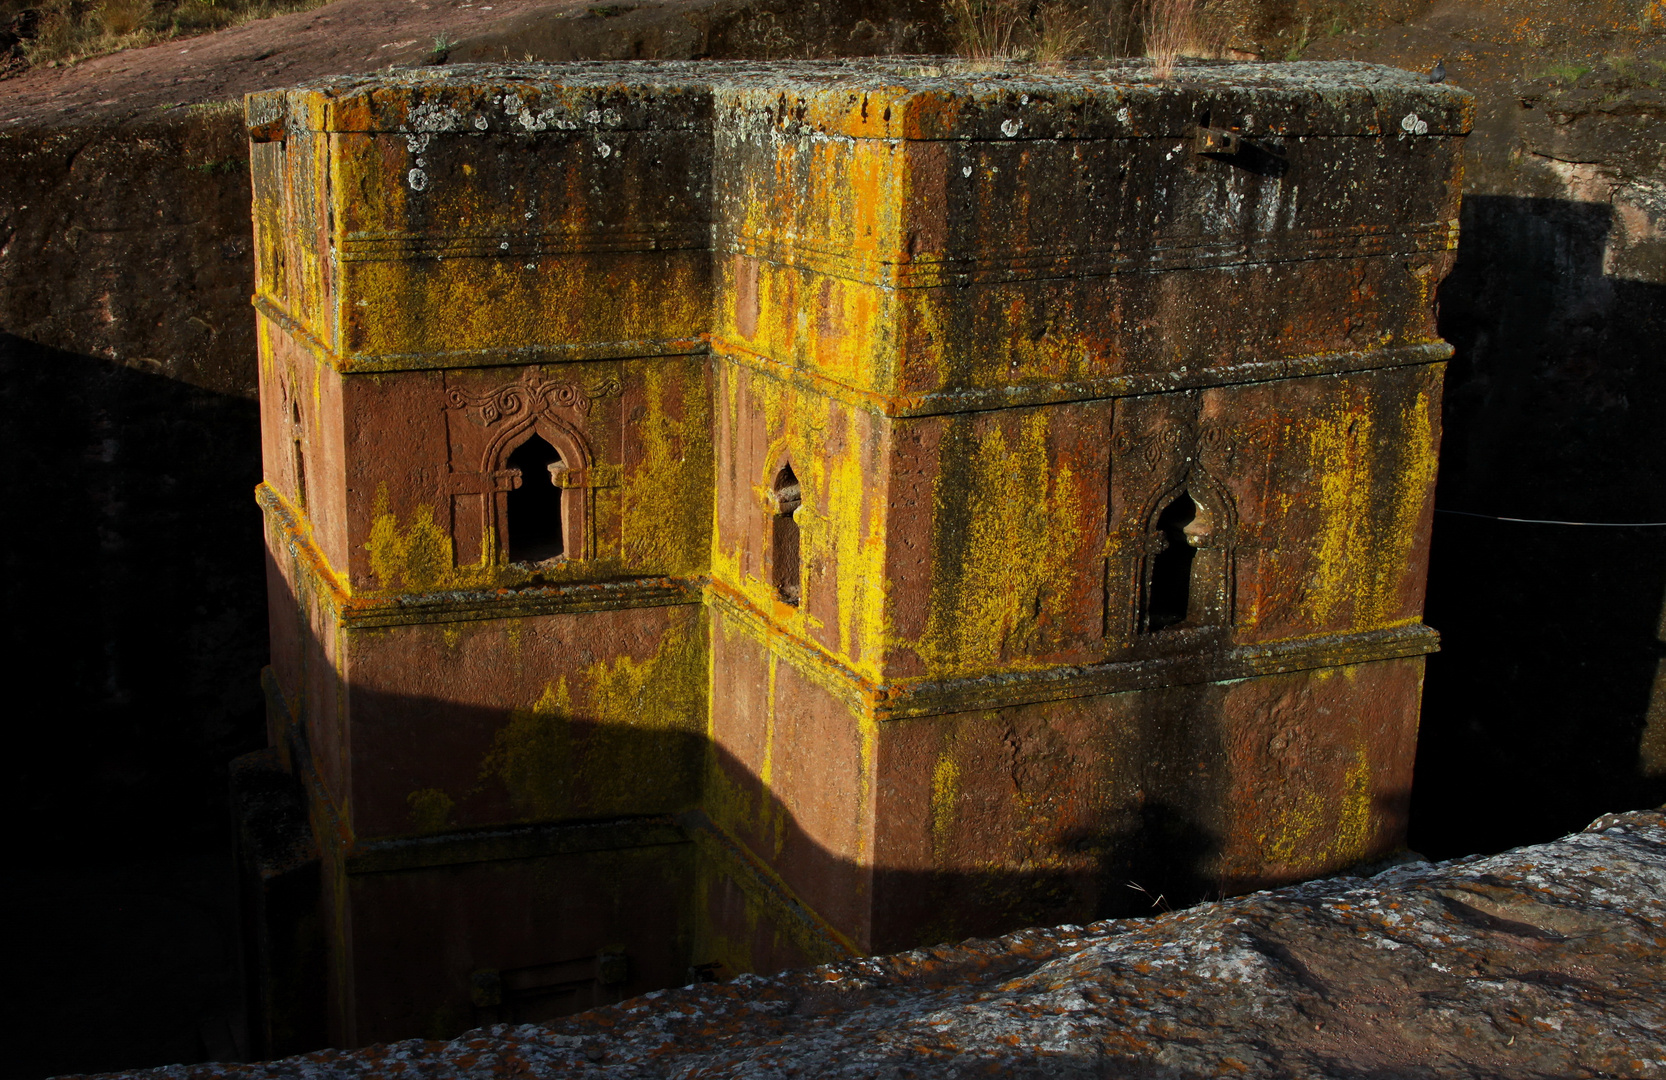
(723, 517)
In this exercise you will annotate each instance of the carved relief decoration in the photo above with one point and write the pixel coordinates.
(531, 394)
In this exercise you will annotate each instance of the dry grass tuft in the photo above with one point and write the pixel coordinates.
(1171, 31)
(1019, 29)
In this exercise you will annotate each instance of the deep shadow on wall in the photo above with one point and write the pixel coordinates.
(1536, 711)
(130, 574)
(567, 915)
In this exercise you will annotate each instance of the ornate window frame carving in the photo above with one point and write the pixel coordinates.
(526, 407)
(1214, 541)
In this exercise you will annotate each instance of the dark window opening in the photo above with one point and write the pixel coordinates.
(535, 506)
(784, 535)
(1171, 570)
(300, 476)
(299, 456)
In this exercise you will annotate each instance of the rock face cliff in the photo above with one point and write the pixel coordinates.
(1546, 961)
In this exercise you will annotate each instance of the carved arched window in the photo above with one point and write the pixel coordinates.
(785, 498)
(1170, 590)
(543, 503)
(1186, 578)
(535, 526)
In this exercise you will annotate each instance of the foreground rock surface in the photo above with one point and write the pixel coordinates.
(1543, 961)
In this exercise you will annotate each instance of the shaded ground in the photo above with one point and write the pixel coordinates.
(1546, 961)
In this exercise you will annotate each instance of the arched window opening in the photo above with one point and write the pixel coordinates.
(299, 456)
(1170, 596)
(784, 534)
(535, 504)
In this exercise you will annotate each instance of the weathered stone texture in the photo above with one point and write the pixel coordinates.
(948, 343)
(1546, 961)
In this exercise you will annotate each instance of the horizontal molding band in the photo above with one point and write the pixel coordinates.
(595, 240)
(815, 936)
(466, 605)
(483, 605)
(985, 266)
(946, 402)
(645, 349)
(516, 842)
(517, 356)
(1162, 254)
(913, 698)
(901, 701)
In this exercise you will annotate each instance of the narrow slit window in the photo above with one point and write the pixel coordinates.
(535, 506)
(1170, 593)
(784, 535)
(300, 455)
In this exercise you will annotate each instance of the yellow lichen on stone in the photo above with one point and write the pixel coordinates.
(431, 809)
(415, 557)
(666, 505)
(531, 755)
(1340, 450)
(855, 536)
(1353, 825)
(644, 722)
(1328, 829)
(665, 692)
(1008, 520)
(1408, 491)
(1368, 519)
(945, 792)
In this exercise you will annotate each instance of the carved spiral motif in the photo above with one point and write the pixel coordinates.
(532, 392)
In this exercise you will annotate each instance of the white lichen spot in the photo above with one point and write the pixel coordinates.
(593, 117)
(416, 144)
(1009, 128)
(1412, 124)
(480, 123)
(504, 246)
(604, 149)
(417, 179)
(966, 170)
(1123, 114)
(432, 117)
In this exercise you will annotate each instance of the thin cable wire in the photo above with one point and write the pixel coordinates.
(1547, 521)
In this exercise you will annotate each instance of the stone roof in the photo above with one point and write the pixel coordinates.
(1074, 99)
(1542, 961)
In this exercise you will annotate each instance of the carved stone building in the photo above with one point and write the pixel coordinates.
(723, 517)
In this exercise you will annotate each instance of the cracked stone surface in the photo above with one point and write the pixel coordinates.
(1544, 961)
